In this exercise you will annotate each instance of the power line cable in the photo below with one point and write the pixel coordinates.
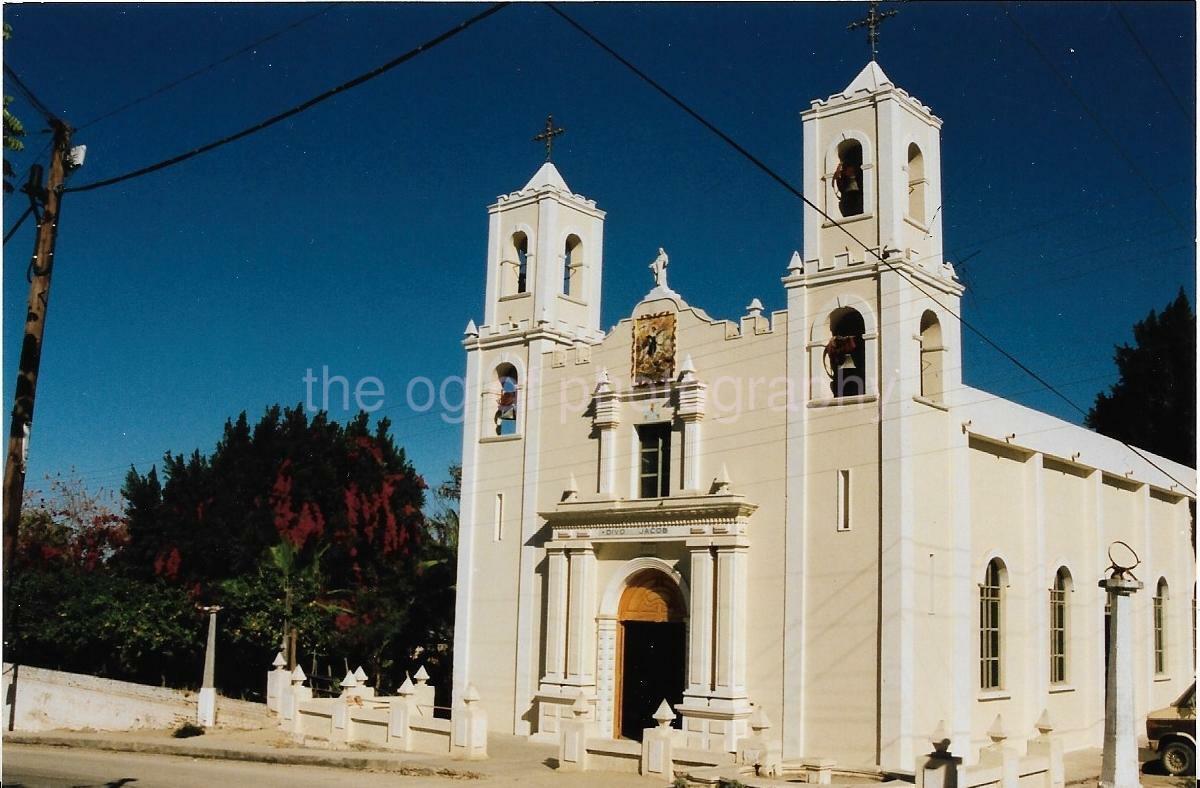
(205, 69)
(17, 226)
(1120, 149)
(797, 193)
(29, 95)
(296, 110)
(1189, 114)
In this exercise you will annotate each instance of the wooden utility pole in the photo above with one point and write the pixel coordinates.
(40, 269)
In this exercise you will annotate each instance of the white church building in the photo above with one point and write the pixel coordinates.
(805, 511)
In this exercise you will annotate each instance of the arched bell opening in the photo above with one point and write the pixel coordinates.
(848, 178)
(651, 651)
(845, 353)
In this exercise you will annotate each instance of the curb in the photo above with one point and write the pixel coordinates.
(282, 757)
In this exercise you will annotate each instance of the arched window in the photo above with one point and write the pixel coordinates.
(507, 399)
(991, 633)
(916, 184)
(848, 178)
(521, 249)
(573, 267)
(845, 356)
(1059, 633)
(931, 357)
(1160, 627)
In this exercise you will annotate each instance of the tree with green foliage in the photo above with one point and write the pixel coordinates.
(444, 522)
(14, 130)
(294, 520)
(304, 519)
(66, 609)
(1153, 404)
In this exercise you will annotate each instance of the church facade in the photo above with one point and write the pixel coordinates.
(805, 511)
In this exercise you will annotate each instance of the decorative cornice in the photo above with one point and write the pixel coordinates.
(642, 518)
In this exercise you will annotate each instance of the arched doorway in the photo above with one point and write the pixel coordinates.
(651, 650)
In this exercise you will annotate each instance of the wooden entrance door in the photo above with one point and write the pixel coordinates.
(651, 649)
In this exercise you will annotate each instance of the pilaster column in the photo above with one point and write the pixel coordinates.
(1037, 675)
(795, 530)
(700, 623)
(556, 613)
(606, 419)
(581, 617)
(730, 667)
(468, 524)
(1143, 699)
(964, 602)
(1096, 526)
(691, 413)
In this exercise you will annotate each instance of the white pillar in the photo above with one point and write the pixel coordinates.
(1036, 667)
(581, 617)
(607, 415)
(608, 461)
(691, 393)
(1094, 645)
(467, 522)
(1120, 764)
(700, 622)
(206, 708)
(691, 454)
(1143, 699)
(900, 368)
(556, 613)
(528, 632)
(964, 602)
(791, 729)
(730, 665)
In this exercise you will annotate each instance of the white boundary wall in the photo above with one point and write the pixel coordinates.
(55, 700)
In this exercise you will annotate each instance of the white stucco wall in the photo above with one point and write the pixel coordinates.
(56, 700)
(859, 641)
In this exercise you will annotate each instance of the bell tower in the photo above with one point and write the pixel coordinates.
(544, 257)
(544, 264)
(872, 312)
(872, 162)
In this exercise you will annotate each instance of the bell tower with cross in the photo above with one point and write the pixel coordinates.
(872, 163)
(541, 309)
(545, 253)
(882, 347)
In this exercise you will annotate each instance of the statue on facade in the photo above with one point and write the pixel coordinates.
(659, 269)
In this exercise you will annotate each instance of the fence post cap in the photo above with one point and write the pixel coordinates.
(940, 738)
(664, 716)
(360, 675)
(996, 732)
(298, 674)
(422, 675)
(279, 661)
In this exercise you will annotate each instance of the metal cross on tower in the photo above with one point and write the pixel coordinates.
(872, 21)
(548, 136)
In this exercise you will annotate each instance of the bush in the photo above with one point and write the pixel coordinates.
(188, 730)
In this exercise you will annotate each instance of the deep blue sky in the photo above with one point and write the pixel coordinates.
(353, 236)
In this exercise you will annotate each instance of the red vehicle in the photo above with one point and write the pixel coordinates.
(1172, 734)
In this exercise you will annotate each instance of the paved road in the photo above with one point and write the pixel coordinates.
(33, 766)
(58, 767)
